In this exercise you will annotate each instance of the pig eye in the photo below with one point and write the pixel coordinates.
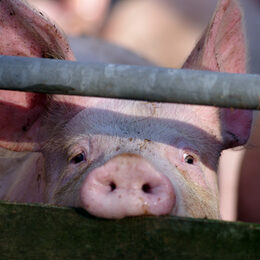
(78, 158)
(188, 158)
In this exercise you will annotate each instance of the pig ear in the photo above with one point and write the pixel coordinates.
(223, 48)
(26, 32)
(21, 114)
(27, 118)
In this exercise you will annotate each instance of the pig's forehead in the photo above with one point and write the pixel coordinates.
(144, 120)
(126, 107)
(137, 108)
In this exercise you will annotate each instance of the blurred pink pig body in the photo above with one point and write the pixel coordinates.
(118, 158)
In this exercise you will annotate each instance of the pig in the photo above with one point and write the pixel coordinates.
(118, 158)
(155, 38)
(238, 168)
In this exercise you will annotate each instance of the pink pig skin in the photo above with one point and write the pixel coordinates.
(118, 158)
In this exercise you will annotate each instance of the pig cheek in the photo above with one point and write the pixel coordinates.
(191, 173)
(67, 188)
(61, 181)
(196, 198)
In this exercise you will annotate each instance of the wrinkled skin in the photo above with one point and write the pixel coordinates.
(120, 158)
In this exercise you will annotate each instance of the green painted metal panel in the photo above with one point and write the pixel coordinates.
(44, 232)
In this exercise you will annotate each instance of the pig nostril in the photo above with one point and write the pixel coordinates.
(112, 186)
(146, 188)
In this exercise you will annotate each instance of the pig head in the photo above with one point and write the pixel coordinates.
(118, 158)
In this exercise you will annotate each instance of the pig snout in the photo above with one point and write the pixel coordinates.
(127, 185)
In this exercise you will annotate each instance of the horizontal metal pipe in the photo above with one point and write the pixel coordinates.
(130, 82)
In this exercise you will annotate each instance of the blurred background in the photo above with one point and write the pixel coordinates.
(164, 32)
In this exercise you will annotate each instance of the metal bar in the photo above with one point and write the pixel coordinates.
(130, 82)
